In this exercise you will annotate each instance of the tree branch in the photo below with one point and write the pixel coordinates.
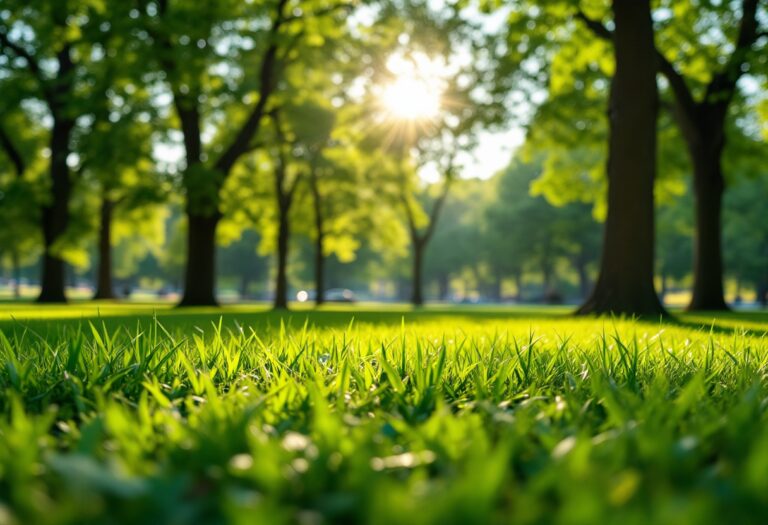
(266, 86)
(32, 64)
(19, 51)
(13, 153)
(723, 84)
(683, 95)
(439, 204)
(595, 26)
(410, 216)
(676, 81)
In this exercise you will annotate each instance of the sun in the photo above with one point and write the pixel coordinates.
(412, 98)
(415, 91)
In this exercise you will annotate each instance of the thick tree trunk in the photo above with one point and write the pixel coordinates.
(104, 288)
(281, 282)
(625, 284)
(55, 214)
(417, 297)
(200, 273)
(709, 186)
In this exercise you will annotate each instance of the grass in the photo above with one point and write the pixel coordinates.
(123, 414)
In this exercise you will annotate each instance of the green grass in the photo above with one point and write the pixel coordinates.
(145, 414)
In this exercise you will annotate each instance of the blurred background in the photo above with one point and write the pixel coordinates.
(328, 150)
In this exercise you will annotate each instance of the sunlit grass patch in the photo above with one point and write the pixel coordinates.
(438, 416)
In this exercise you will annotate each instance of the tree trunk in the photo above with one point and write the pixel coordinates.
(417, 297)
(281, 283)
(55, 214)
(319, 269)
(104, 288)
(709, 186)
(319, 241)
(625, 284)
(200, 273)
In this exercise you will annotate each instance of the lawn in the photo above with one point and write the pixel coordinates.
(146, 414)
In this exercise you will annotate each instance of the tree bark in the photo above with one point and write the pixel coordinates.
(281, 282)
(55, 214)
(104, 287)
(200, 274)
(706, 152)
(625, 284)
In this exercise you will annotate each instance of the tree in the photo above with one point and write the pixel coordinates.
(286, 180)
(701, 107)
(625, 283)
(117, 163)
(20, 166)
(240, 260)
(422, 140)
(536, 234)
(457, 241)
(207, 72)
(32, 39)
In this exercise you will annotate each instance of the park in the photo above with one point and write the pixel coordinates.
(383, 261)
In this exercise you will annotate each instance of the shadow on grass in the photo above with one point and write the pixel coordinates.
(51, 319)
(260, 316)
(753, 323)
